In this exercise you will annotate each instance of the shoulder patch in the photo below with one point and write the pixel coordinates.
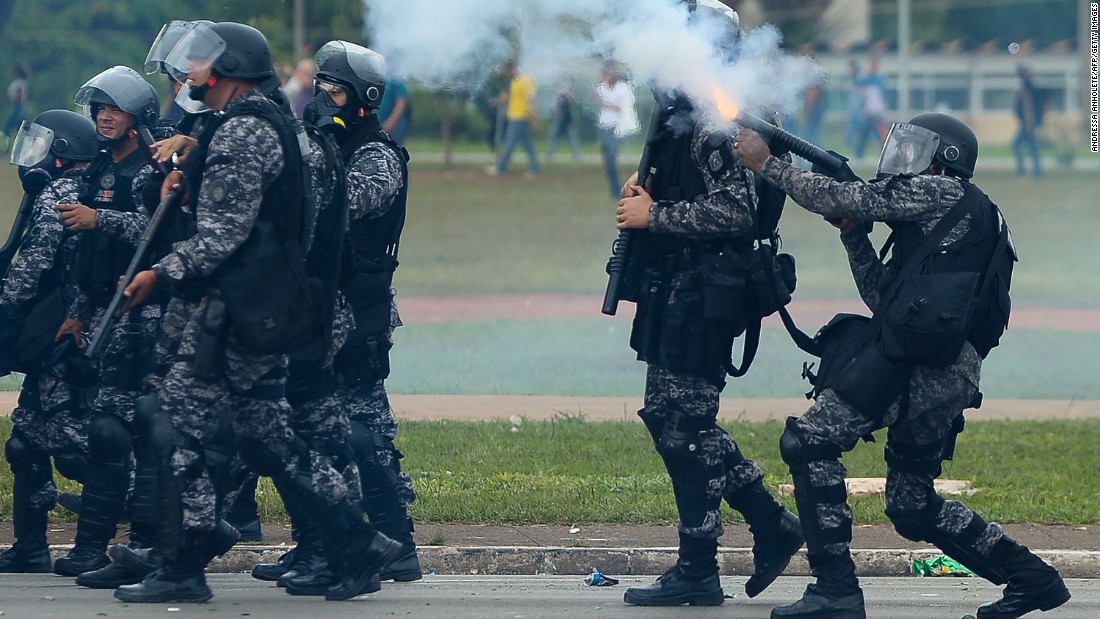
(714, 162)
(367, 166)
(218, 190)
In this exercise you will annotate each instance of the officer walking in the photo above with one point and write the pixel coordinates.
(698, 205)
(351, 81)
(50, 416)
(237, 284)
(108, 225)
(918, 392)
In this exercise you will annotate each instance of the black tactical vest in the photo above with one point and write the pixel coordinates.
(101, 258)
(974, 252)
(282, 202)
(372, 242)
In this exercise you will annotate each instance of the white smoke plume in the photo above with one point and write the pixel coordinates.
(459, 42)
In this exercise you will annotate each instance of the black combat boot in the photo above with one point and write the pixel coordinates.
(835, 594)
(776, 533)
(139, 560)
(308, 556)
(305, 539)
(318, 583)
(381, 502)
(1032, 584)
(693, 580)
(30, 554)
(244, 514)
(102, 503)
(179, 580)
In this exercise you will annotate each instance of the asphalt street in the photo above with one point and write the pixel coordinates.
(512, 597)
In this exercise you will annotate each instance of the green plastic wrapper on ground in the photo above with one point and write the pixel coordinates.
(941, 566)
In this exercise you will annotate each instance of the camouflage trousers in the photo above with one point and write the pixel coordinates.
(916, 441)
(126, 361)
(52, 416)
(717, 469)
(370, 406)
(250, 391)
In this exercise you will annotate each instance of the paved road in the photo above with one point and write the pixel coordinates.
(528, 597)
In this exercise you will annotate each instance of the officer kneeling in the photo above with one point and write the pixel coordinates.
(939, 304)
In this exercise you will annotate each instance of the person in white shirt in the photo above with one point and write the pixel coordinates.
(617, 119)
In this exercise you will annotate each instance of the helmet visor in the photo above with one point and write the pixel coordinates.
(366, 64)
(189, 105)
(196, 50)
(32, 144)
(119, 86)
(909, 149)
(167, 38)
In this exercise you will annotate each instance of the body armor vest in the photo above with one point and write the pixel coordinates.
(372, 243)
(282, 203)
(972, 252)
(102, 258)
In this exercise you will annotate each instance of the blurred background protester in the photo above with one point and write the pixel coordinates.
(395, 112)
(17, 101)
(855, 105)
(1028, 107)
(519, 104)
(299, 86)
(617, 120)
(564, 125)
(872, 114)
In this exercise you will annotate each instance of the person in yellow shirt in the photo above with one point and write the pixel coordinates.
(522, 119)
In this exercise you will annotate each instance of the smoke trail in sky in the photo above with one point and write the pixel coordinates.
(459, 42)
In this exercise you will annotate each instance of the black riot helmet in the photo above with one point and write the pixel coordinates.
(360, 70)
(54, 133)
(912, 147)
(228, 49)
(124, 88)
(720, 24)
(958, 148)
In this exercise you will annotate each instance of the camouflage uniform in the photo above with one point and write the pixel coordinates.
(227, 208)
(688, 401)
(50, 415)
(920, 431)
(50, 418)
(374, 179)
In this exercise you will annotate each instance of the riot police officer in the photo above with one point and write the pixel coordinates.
(349, 85)
(108, 225)
(698, 208)
(948, 235)
(50, 417)
(247, 180)
(348, 88)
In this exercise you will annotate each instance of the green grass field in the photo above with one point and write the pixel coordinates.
(467, 233)
(573, 471)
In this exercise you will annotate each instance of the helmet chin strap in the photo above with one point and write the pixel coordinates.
(198, 93)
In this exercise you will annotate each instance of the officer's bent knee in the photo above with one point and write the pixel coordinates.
(71, 465)
(17, 453)
(109, 438)
(261, 457)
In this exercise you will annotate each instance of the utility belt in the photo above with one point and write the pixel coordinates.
(720, 295)
(365, 356)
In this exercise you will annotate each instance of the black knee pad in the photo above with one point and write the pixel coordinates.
(917, 525)
(71, 465)
(791, 447)
(798, 453)
(268, 458)
(681, 438)
(363, 442)
(145, 413)
(18, 454)
(109, 439)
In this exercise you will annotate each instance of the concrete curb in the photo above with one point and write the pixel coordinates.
(541, 560)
